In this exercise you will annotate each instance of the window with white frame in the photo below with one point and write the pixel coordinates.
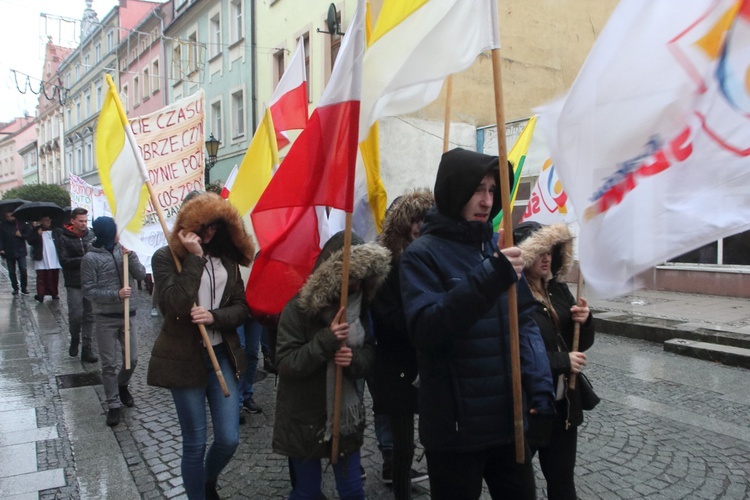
(278, 66)
(69, 160)
(99, 96)
(216, 121)
(238, 113)
(89, 165)
(77, 72)
(215, 35)
(155, 75)
(146, 84)
(177, 62)
(192, 52)
(236, 20)
(110, 40)
(78, 111)
(124, 96)
(87, 104)
(69, 117)
(98, 52)
(136, 91)
(79, 160)
(86, 62)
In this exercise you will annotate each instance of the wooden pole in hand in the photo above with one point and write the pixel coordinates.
(126, 302)
(507, 225)
(576, 326)
(447, 124)
(339, 369)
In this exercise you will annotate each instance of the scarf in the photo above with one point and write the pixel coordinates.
(352, 396)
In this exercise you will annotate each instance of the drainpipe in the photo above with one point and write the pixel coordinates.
(163, 63)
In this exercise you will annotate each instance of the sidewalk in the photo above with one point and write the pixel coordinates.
(708, 327)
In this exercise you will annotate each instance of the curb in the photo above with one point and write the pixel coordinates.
(688, 339)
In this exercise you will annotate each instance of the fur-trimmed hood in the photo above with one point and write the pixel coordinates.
(541, 239)
(368, 262)
(405, 210)
(205, 208)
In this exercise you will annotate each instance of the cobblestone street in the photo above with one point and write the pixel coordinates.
(668, 426)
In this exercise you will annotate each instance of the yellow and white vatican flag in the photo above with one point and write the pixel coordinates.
(122, 171)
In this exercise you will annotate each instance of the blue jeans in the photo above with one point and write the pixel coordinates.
(225, 416)
(308, 478)
(383, 433)
(250, 336)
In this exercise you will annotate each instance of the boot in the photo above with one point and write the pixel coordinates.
(125, 397)
(113, 417)
(73, 350)
(87, 356)
(211, 493)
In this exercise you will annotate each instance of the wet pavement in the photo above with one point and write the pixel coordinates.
(668, 426)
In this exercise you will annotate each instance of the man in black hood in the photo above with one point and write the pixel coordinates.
(454, 280)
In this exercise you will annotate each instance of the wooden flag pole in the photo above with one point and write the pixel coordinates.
(178, 265)
(339, 369)
(126, 303)
(447, 124)
(576, 326)
(507, 225)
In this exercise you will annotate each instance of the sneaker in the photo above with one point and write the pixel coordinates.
(113, 417)
(25, 292)
(418, 477)
(73, 350)
(88, 357)
(251, 406)
(125, 397)
(154, 312)
(15, 291)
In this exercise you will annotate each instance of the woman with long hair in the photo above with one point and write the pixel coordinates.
(210, 242)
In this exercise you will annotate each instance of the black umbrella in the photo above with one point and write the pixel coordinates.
(11, 204)
(35, 210)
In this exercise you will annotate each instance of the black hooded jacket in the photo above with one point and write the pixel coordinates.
(454, 293)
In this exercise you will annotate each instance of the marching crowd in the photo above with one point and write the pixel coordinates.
(425, 328)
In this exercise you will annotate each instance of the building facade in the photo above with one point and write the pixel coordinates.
(208, 46)
(14, 136)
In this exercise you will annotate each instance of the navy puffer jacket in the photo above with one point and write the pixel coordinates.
(456, 306)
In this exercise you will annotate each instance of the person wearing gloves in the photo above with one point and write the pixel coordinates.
(210, 242)
(313, 339)
(548, 258)
(454, 283)
(102, 283)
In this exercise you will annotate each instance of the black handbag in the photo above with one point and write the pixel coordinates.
(589, 399)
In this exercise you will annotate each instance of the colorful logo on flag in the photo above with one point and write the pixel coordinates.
(720, 37)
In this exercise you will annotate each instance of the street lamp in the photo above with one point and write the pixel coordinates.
(212, 148)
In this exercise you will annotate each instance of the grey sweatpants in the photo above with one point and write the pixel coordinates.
(80, 316)
(109, 332)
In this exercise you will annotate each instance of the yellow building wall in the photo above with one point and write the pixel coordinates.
(544, 43)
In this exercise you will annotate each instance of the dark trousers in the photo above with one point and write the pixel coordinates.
(402, 429)
(458, 476)
(47, 282)
(558, 461)
(12, 262)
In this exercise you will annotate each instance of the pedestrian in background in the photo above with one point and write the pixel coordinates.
(548, 258)
(103, 283)
(393, 381)
(210, 242)
(13, 234)
(72, 241)
(454, 280)
(313, 339)
(46, 263)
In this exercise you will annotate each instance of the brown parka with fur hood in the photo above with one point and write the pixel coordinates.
(177, 355)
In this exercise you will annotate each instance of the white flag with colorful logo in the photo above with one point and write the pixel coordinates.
(652, 142)
(548, 202)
